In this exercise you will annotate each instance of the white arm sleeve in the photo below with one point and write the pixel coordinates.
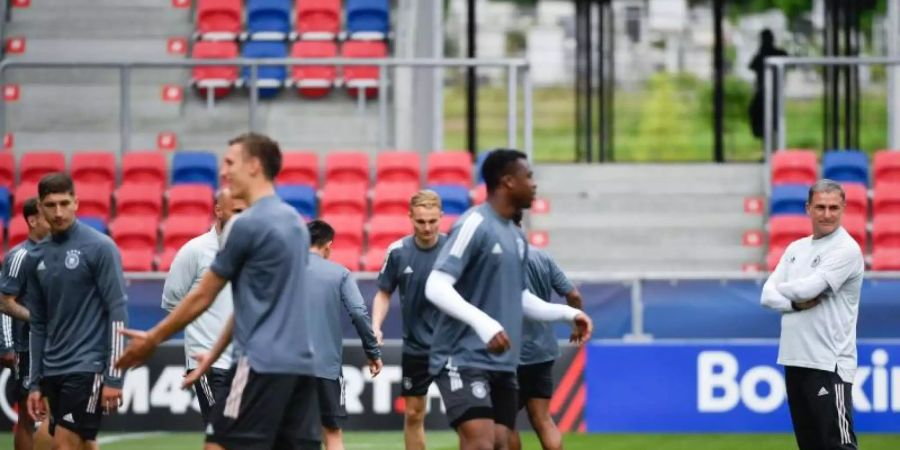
(537, 309)
(804, 289)
(440, 291)
(773, 299)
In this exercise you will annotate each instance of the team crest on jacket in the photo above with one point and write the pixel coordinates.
(73, 257)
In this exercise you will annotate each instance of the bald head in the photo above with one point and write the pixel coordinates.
(226, 207)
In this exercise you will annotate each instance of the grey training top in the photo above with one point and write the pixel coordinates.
(543, 278)
(14, 334)
(76, 297)
(265, 255)
(486, 254)
(331, 287)
(406, 267)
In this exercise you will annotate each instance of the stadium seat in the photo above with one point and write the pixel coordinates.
(886, 231)
(314, 81)
(190, 200)
(385, 229)
(347, 257)
(178, 229)
(788, 199)
(886, 199)
(479, 194)
(347, 167)
(454, 199)
(270, 79)
(340, 198)
(398, 167)
(856, 227)
(94, 200)
(773, 257)
(145, 167)
(299, 167)
(5, 207)
(363, 77)
(786, 229)
(447, 222)
(368, 19)
(318, 19)
(478, 163)
(348, 231)
(134, 232)
(301, 197)
(7, 170)
(857, 197)
(137, 259)
(886, 259)
(35, 165)
(18, 230)
(846, 166)
(450, 168)
(164, 260)
(268, 20)
(139, 199)
(219, 20)
(218, 78)
(374, 259)
(886, 167)
(23, 192)
(392, 197)
(94, 168)
(195, 167)
(95, 223)
(795, 167)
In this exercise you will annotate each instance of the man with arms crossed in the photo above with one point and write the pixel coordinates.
(816, 287)
(189, 265)
(406, 266)
(76, 298)
(14, 335)
(272, 401)
(478, 283)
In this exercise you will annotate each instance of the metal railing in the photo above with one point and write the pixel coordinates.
(518, 71)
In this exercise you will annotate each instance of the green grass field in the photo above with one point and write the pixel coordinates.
(447, 441)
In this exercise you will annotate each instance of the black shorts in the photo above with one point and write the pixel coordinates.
(16, 386)
(264, 411)
(471, 393)
(74, 401)
(535, 381)
(210, 389)
(332, 402)
(416, 379)
(821, 409)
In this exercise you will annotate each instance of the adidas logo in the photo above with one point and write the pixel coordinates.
(823, 392)
(497, 249)
(68, 417)
(408, 270)
(41, 266)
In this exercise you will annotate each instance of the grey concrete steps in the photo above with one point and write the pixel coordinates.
(618, 203)
(647, 221)
(65, 21)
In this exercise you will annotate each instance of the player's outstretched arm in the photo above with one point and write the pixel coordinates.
(536, 308)
(440, 291)
(206, 360)
(381, 304)
(142, 344)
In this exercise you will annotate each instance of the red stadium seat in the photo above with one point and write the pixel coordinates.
(857, 200)
(299, 167)
(23, 192)
(886, 199)
(447, 223)
(363, 77)
(773, 257)
(795, 167)
(7, 170)
(314, 81)
(392, 198)
(479, 194)
(137, 259)
(348, 231)
(397, 167)
(339, 198)
(886, 231)
(856, 226)
(138, 199)
(318, 19)
(18, 230)
(450, 168)
(219, 19)
(886, 167)
(374, 259)
(347, 257)
(384, 230)
(347, 167)
(135, 232)
(886, 259)
(178, 229)
(218, 78)
(788, 228)
(145, 167)
(94, 200)
(94, 168)
(164, 260)
(191, 200)
(35, 165)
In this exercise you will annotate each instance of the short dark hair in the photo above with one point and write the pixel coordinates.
(55, 183)
(30, 208)
(264, 148)
(497, 164)
(320, 233)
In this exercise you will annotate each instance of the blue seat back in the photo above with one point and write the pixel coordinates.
(190, 167)
(368, 16)
(4, 205)
(269, 16)
(788, 199)
(846, 166)
(301, 197)
(95, 223)
(266, 49)
(455, 199)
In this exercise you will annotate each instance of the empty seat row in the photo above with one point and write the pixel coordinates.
(791, 199)
(352, 198)
(846, 166)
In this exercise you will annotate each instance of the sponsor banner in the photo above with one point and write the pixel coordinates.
(721, 387)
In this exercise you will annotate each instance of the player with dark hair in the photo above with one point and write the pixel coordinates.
(479, 284)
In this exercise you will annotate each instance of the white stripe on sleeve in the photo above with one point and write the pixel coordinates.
(466, 231)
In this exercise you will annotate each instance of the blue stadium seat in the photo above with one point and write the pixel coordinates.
(4, 204)
(368, 19)
(846, 166)
(300, 196)
(269, 78)
(96, 223)
(195, 168)
(454, 198)
(269, 20)
(788, 199)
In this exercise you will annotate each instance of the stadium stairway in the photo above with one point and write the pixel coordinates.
(649, 217)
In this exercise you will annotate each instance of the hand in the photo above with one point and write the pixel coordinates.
(204, 362)
(140, 346)
(8, 360)
(499, 343)
(375, 366)
(36, 406)
(112, 399)
(379, 336)
(582, 328)
(808, 304)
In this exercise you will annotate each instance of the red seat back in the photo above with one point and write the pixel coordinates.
(138, 199)
(94, 168)
(178, 230)
(886, 167)
(347, 167)
(145, 167)
(384, 230)
(137, 259)
(886, 231)
(398, 166)
(191, 200)
(219, 16)
(18, 230)
(299, 167)
(23, 192)
(318, 18)
(392, 198)
(786, 229)
(450, 168)
(347, 257)
(857, 197)
(374, 259)
(795, 167)
(134, 232)
(886, 199)
(348, 231)
(35, 165)
(215, 50)
(7, 170)
(94, 200)
(339, 198)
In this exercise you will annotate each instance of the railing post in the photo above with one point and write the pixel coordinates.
(124, 109)
(781, 107)
(637, 314)
(382, 107)
(512, 125)
(768, 85)
(527, 119)
(254, 94)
